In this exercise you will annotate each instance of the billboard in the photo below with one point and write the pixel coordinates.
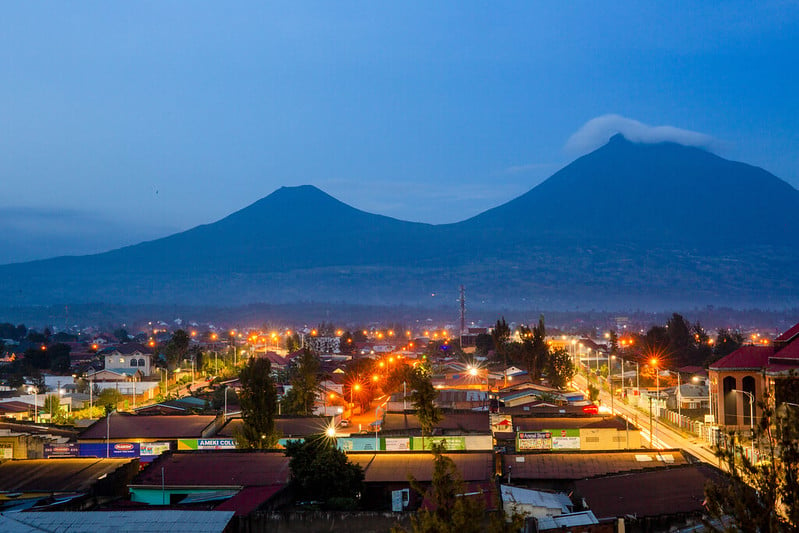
(565, 439)
(70, 449)
(450, 443)
(113, 450)
(150, 450)
(206, 444)
(533, 440)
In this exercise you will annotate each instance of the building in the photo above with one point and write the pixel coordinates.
(743, 378)
(129, 359)
(239, 481)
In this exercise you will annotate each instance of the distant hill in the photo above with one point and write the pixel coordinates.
(628, 225)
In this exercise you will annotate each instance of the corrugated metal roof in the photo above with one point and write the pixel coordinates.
(537, 498)
(124, 426)
(580, 465)
(117, 522)
(395, 467)
(654, 493)
(55, 475)
(217, 468)
(583, 518)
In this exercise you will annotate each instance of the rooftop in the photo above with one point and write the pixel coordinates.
(287, 427)
(113, 521)
(395, 467)
(55, 475)
(125, 426)
(580, 465)
(668, 491)
(242, 468)
(466, 422)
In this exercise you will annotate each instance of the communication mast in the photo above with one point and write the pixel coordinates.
(462, 300)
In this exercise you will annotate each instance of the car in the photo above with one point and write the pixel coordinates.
(344, 423)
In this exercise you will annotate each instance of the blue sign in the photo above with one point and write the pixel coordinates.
(113, 450)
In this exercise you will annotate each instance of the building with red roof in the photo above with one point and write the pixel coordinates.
(743, 378)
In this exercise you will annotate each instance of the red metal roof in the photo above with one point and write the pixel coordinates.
(788, 335)
(745, 357)
(214, 469)
(249, 499)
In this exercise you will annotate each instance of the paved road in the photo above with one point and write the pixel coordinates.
(664, 436)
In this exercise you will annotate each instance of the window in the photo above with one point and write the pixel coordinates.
(132, 362)
(141, 362)
(121, 360)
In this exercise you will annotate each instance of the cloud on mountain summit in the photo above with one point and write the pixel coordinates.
(597, 131)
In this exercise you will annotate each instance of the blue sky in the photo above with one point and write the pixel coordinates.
(124, 121)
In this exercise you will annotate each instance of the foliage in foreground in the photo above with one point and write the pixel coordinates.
(761, 497)
(450, 509)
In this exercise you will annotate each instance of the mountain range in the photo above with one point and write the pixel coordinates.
(646, 226)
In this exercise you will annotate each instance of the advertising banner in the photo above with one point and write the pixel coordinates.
(349, 444)
(149, 449)
(565, 439)
(398, 445)
(206, 444)
(6, 450)
(114, 450)
(533, 440)
(61, 450)
(501, 423)
(450, 443)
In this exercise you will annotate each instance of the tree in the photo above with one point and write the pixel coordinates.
(304, 385)
(763, 496)
(58, 355)
(727, 341)
(52, 406)
(450, 509)
(121, 334)
(320, 471)
(423, 396)
(258, 400)
(483, 344)
(109, 399)
(292, 342)
(500, 335)
(560, 368)
(177, 348)
(346, 344)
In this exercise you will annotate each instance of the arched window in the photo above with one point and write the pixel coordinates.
(730, 401)
(141, 362)
(133, 362)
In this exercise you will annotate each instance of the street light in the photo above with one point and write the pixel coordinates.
(35, 392)
(654, 362)
(751, 419)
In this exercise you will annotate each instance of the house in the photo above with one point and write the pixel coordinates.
(743, 378)
(240, 481)
(129, 359)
